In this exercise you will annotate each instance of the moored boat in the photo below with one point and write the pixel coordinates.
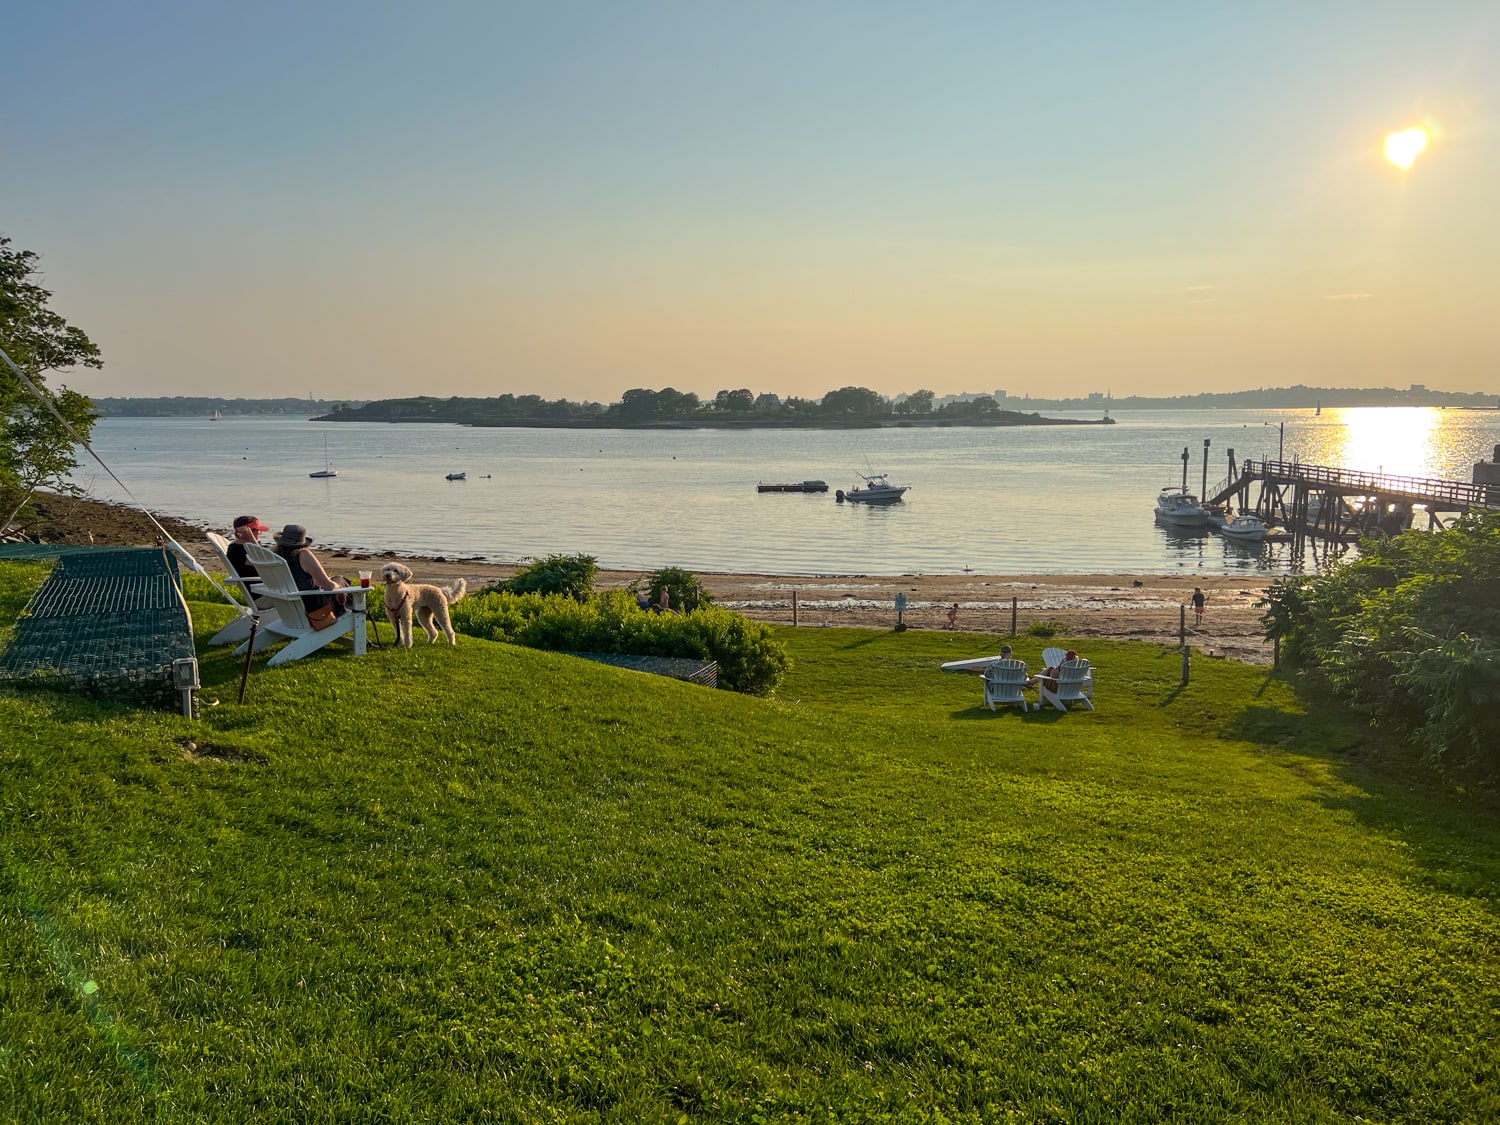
(801, 486)
(1244, 529)
(456, 476)
(1177, 507)
(877, 489)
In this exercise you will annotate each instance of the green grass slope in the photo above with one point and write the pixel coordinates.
(487, 883)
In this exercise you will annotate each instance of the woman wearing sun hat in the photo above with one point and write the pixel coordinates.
(291, 543)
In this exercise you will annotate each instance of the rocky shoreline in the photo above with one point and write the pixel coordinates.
(1144, 607)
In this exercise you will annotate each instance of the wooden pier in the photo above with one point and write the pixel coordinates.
(1340, 505)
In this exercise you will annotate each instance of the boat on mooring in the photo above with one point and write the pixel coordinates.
(1244, 528)
(327, 470)
(1179, 508)
(799, 486)
(456, 476)
(877, 489)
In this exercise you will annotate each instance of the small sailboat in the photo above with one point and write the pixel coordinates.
(328, 470)
(215, 416)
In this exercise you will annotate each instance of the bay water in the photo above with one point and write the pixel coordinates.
(1015, 500)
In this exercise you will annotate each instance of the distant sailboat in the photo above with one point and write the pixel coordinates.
(215, 416)
(1318, 411)
(328, 469)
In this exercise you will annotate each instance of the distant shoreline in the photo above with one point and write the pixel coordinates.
(876, 423)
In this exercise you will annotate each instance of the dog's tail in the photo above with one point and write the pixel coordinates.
(459, 590)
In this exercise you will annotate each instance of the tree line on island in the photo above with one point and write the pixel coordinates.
(642, 406)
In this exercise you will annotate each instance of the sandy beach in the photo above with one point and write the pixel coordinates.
(1144, 607)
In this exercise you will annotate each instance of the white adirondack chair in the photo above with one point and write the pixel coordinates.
(238, 629)
(1052, 657)
(1005, 683)
(1075, 684)
(279, 588)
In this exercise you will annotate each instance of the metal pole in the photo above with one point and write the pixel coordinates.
(1281, 442)
(1203, 489)
(1184, 467)
(249, 652)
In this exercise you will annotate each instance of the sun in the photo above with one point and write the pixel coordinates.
(1404, 147)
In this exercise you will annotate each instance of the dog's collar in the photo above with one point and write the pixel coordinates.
(404, 595)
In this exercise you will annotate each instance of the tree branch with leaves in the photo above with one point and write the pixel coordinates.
(36, 450)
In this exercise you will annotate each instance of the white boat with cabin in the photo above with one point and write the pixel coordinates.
(1177, 507)
(1244, 528)
(877, 489)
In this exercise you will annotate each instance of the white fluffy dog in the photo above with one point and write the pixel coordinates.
(403, 596)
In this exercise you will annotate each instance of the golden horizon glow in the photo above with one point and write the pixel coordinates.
(1403, 148)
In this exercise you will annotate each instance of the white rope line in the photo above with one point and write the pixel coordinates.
(77, 437)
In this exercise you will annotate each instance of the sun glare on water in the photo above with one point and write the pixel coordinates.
(1404, 147)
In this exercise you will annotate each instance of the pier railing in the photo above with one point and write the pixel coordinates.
(1431, 491)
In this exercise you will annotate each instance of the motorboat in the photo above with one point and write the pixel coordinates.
(1177, 507)
(1244, 529)
(877, 489)
(456, 476)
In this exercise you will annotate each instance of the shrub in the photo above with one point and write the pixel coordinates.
(1043, 629)
(686, 593)
(750, 659)
(1409, 633)
(571, 576)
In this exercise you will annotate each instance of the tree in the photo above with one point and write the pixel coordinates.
(36, 450)
(734, 402)
(919, 402)
(853, 400)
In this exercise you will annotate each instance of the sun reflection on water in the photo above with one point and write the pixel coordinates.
(1400, 441)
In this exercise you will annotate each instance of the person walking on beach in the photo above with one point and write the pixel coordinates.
(1198, 600)
(953, 616)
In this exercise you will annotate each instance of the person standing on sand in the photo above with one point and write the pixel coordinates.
(1198, 600)
(953, 616)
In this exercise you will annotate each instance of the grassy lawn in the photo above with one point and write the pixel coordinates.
(487, 883)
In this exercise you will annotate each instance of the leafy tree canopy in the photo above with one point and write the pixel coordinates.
(1409, 633)
(36, 450)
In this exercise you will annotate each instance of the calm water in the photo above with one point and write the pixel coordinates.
(1067, 499)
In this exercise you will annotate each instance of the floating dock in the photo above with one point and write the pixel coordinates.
(800, 486)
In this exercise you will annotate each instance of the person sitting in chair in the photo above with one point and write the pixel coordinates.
(292, 543)
(1048, 678)
(247, 529)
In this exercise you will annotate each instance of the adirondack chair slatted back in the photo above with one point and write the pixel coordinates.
(1005, 682)
(278, 585)
(221, 549)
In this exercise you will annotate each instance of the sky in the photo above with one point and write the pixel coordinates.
(369, 199)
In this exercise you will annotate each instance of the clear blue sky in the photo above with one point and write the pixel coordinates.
(371, 199)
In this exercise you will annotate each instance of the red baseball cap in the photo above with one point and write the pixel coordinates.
(249, 521)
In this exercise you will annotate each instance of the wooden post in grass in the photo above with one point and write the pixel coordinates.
(1186, 654)
(794, 609)
(1012, 615)
(1182, 624)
